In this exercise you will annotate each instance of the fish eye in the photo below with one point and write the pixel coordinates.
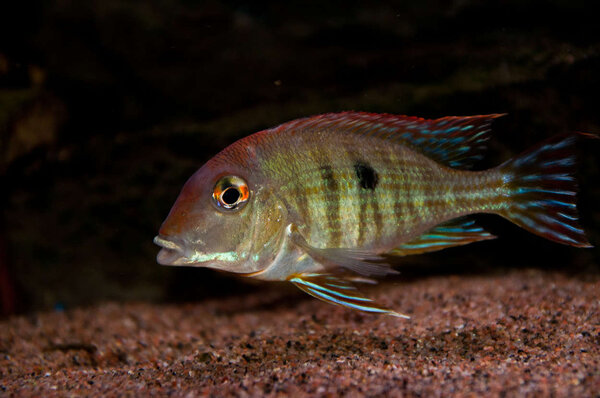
(231, 193)
(230, 196)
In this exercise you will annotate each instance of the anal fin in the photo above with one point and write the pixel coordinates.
(335, 290)
(458, 232)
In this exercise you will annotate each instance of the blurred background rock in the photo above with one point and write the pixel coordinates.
(107, 107)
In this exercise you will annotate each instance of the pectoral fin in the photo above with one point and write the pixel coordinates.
(358, 261)
(339, 291)
(452, 233)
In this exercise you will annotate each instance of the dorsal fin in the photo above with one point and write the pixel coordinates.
(458, 232)
(456, 141)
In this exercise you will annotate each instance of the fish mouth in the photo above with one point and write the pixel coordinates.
(171, 253)
(174, 253)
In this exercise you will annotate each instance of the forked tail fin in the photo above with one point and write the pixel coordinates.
(542, 190)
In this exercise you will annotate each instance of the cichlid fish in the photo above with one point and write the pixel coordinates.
(319, 201)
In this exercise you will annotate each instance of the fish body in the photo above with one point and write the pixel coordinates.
(317, 200)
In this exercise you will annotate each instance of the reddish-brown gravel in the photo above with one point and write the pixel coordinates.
(519, 333)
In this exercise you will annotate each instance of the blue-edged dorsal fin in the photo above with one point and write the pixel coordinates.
(458, 232)
(360, 261)
(455, 141)
(339, 291)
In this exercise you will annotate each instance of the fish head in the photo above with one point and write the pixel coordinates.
(226, 217)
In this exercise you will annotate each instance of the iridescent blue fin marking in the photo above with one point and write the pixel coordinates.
(542, 191)
(339, 291)
(456, 232)
(456, 141)
(355, 260)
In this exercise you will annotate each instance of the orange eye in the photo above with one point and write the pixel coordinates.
(231, 193)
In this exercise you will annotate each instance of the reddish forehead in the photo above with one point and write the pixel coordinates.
(242, 153)
(238, 158)
(179, 214)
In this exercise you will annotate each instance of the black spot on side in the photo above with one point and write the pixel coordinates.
(367, 176)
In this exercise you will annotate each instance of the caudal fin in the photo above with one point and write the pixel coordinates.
(542, 191)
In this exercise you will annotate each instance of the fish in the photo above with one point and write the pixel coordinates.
(324, 201)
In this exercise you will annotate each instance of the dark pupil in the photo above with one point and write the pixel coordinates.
(230, 196)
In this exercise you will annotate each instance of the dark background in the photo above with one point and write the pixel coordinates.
(106, 107)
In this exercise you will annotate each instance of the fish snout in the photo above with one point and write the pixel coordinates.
(171, 252)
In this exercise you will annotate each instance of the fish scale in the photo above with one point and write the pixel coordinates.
(333, 196)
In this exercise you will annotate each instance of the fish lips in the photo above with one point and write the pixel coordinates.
(171, 253)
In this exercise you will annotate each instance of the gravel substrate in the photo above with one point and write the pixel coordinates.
(517, 333)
